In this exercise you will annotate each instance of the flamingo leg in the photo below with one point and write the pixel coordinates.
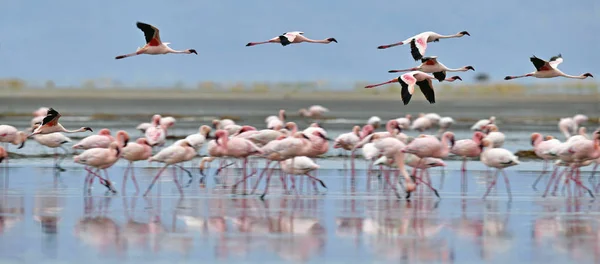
(578, 183)
(125, 177)
(430, 187)
(541, 175)
(177, 182)
(61, 158)
(155, 179)
(592, 180)
(507, 184)
(103, 181)
(550, 182)
(491, 184)
(262, 197)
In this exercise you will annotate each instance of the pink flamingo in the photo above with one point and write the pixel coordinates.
(548, 69)
(418, 43)
(156, 135)
(171, 155)
(431, 65)
(498, 158)
(427, 146)
(479, 125)
(493, 135)
(10, 134)
(421, 124)
(292, 37)
(278, 121)
(314, 111)
(404, 122)
(541, 147)
(236, 148)
(301, 165)
(102, 158)
(135, 151)
(154, 45)
(467, 148)
(213, 152)
(50, 125)
(408, 82)
(197, 140)
(262, 137)
(102, 140)
(346, 141)
(167, 122)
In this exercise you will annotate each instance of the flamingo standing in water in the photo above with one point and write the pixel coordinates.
(154, 45)
(236, 148)
(314, 111)
(301, 166)
(171, 155)
(421, 124)
(50, 125)
(197, 140)
(54, 141)
(102, 140)
(493, 135)
(431, 65)
(408, 81)
(479, 125)
(541, 147)
(498, 158)
(156, 135)
(135, 151)
(467, 148)
(418, 43)
(548, 69)
(292, 37)
(275, 122)
(404, 122)
(10, 134)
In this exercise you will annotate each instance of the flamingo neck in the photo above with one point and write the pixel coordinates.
(450, 36)
(573, 76)
(323, 41)
(462, 69)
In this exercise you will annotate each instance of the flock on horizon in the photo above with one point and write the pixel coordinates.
(293, 149)
(414, 76)
(282, 143)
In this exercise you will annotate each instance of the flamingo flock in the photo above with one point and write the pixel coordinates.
(296, 151)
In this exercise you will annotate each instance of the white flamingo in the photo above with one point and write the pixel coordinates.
(154, 45)
(408, 81)
(418, 43)
(548, 69)
(292, 37)
(431, 65)
(498, 158)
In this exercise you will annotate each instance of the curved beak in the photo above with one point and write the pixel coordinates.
(22, 145)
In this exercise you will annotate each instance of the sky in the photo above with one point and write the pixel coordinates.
(69, 41)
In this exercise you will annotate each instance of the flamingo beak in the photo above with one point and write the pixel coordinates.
(193, 51)
(1, 159)
(125, 142)
(22, 145)
(305, 136)
(332, 40)
(88, 129)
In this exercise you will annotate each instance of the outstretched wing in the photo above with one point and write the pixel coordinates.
(440, 76)
(151, 33)
(407, 81)
(431, 60)
(540, 65)
(51, 118)
(427, 89)
(418, 46)
(289, 37)
(555, 60)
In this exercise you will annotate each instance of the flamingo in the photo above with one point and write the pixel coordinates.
(301, 165)
(54, 141)
(292, 37)
(421, 124)
(236, 147)
(482, 123)
(548, 69)
(222, 123)
(569, 125)
(10, 134)
(154, 45)
(426, 146)
(156, 135)
(101, 158)
(493, 135)
(50, 125)
(167, 122)
(541, 146)
(404, 122)
(314, 111)
(468, 148)
(445, 123)
(346, 141)
(278, 121)
(498, 158)
(170, 155)
(408, 81)
(431, 65)
(261, 137)
(42, 111)
(310, 129)
(374, 121)
(433, 117)
(102, 140)
(197, 140)
(135, 151)
(418, 43)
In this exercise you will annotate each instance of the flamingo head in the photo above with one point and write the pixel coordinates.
(367, 130)
(192, 51)
(470, 68)
(450, 136)
(205, 130)
(219, 134)
(104, 132)
(246, 128)
(332, 40)
(123, 136)
(587, 74)
(142, 141)
(87, 129)
(548, 137)
(215, 123)
(3, 154)
(156, 120)
(462, 33)
(454, 78)
(535, 137)
(291, 126)
(282, 114)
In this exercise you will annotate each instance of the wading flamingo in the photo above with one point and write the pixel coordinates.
(498, 158)
(404, 122)
(314, 111)
(301, 166)
(479, 125)
(292, 37)
(236, 148)
(431, 65)
(541, 147)
(421, 124)
(493, 135)
(418, 43)
(548, 69)
(135, 151)
(50, 125)
(197, 140)
(154, 45)
(374, 121)
(102, 140)
(408, 82)
(54, 141)
(156, 135)
(467, 148)
(10, 134)
(170, 155)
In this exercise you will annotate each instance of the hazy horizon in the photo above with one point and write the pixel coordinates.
(81, 39)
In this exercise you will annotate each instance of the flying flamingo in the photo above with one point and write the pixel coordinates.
(293, 37)
(314, 111)
(418, 43)
(479, 125)
(498, 158)
(54, 141)
(467, 148)
(154, 45)
(102, 140)
(135, 151)
(156, 135)
(50, 125)
(408, 81)
(548, 69)
(541, 146)
(431, 65)
(101, 159)
(170, 155)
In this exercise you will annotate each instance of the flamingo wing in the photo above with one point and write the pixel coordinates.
(407, 81)
(288, 38)
(440, 76)
(427, 90)
(51, 118)
(151, 33)
(555, 60)
(418, 45)
(540, 65)
(430, 60)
